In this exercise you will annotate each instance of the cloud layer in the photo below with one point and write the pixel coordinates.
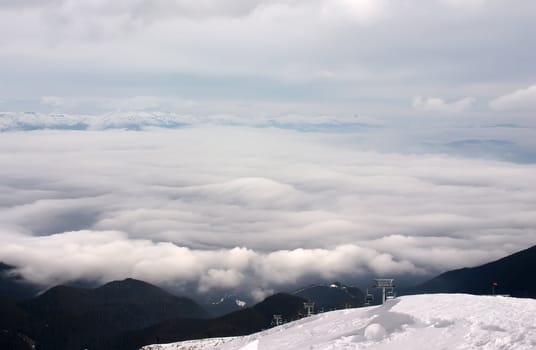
(523, 99)
(435, 104)
(211, 207)
(281, 57)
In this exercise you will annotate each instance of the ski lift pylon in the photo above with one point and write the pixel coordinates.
(369, 298)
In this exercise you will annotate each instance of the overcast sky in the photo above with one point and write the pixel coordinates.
(340, 57)
(214, 145)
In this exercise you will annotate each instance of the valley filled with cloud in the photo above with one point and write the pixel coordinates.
(216, 207)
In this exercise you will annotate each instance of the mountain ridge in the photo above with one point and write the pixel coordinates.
(66, 317)
(509, 273)
(332, 296)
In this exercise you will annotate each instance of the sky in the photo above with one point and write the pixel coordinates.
(255, 145)
(337, 57)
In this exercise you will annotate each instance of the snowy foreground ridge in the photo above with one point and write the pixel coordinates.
(434, 321)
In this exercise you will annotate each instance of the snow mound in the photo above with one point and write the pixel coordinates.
(375, 331)
(434, 321)
(251, 346)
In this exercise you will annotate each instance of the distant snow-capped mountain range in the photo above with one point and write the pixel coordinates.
(137, 120)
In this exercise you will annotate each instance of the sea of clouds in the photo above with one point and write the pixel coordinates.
(223, 206)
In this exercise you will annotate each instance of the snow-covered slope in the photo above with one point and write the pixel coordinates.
(434, 321)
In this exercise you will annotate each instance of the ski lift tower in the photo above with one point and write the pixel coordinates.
(387, 287)
(277, 320)
(369, 298)
(309, 307)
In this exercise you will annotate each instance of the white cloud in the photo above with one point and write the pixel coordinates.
(523, 99)
(131, 103)
(211, 207)
(362, 11)
(143, 103)
(53, 101)
(435, 104)
(464, 4)
(107, 255)
(282, 40)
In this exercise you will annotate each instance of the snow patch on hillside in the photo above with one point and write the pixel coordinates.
(434, 321)
(240, 303)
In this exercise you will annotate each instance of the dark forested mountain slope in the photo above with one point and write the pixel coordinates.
(332, 296)
(226, 304)
(514, 275)
(12, 285)
(246, 321)
(72, 318)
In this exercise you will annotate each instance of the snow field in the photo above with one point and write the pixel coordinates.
(434, 321)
